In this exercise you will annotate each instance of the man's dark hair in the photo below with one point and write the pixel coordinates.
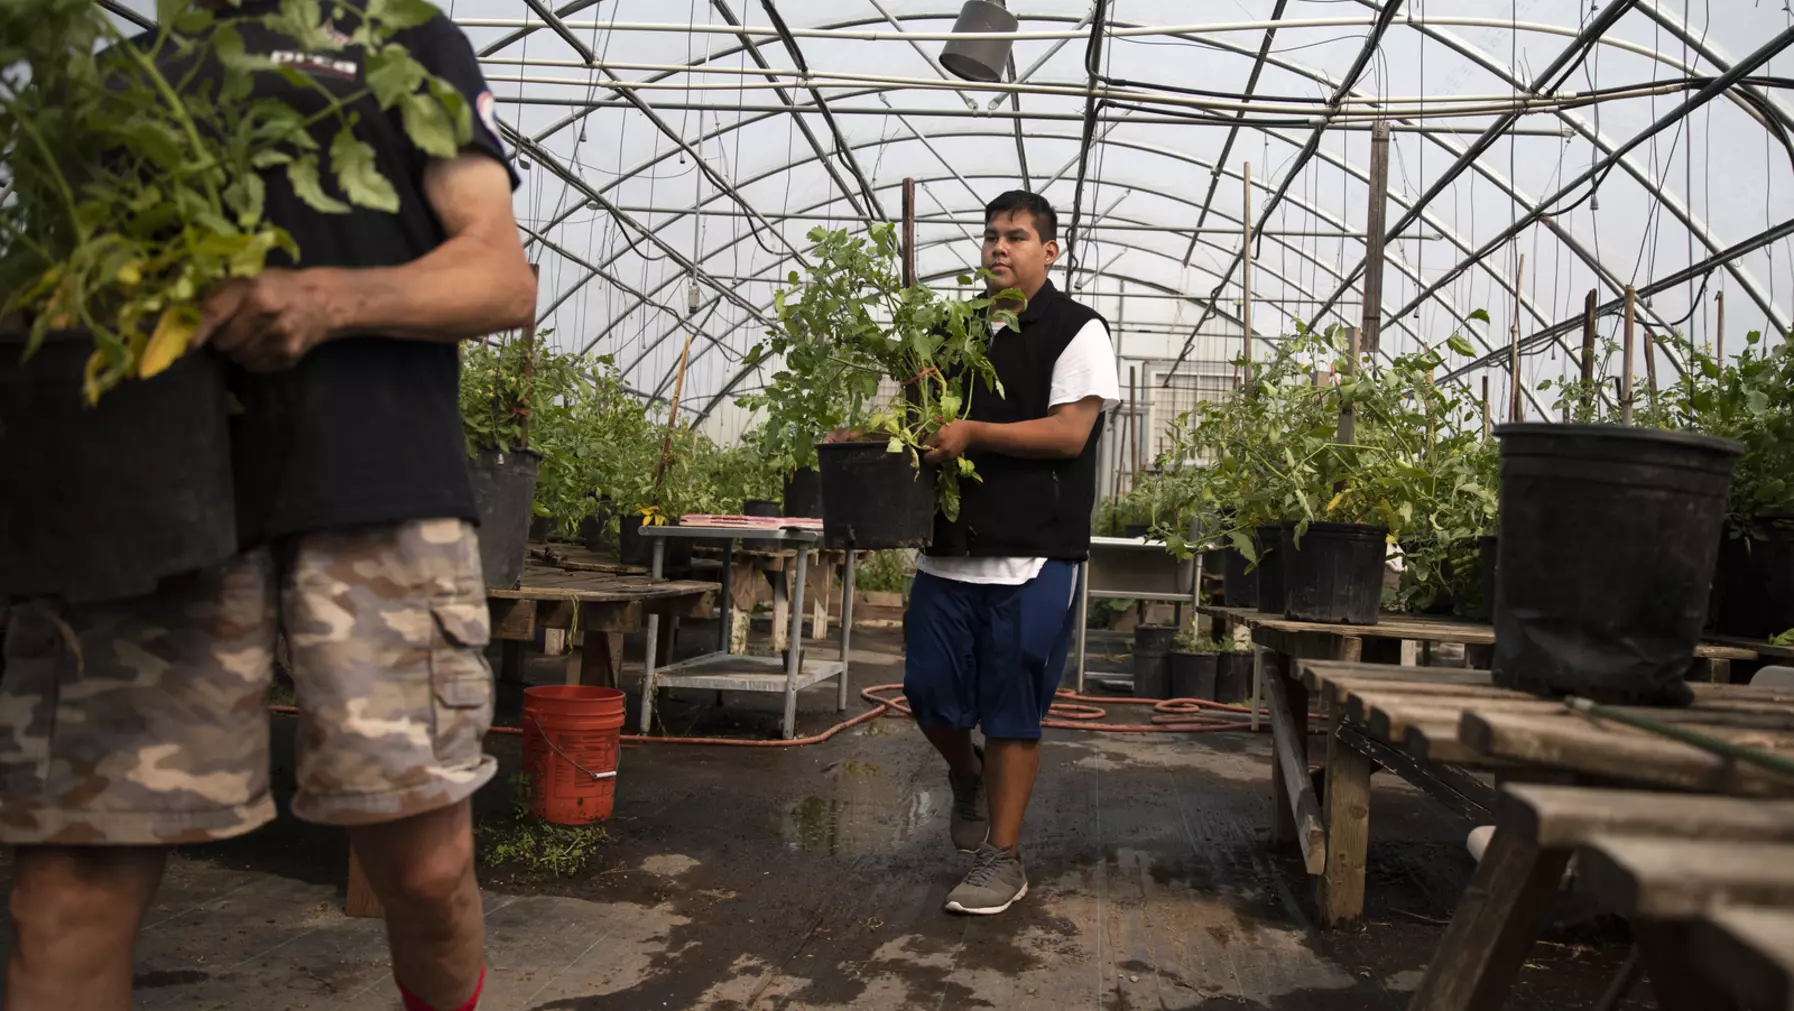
(1046, 222)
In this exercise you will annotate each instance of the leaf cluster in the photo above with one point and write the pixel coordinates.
(847, 324)
(139, 167)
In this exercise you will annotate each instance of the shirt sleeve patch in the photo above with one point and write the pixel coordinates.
(484, 104)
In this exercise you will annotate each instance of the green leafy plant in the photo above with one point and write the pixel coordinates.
(521, 840)
(138, 167)
(883, 572)
(849, 323)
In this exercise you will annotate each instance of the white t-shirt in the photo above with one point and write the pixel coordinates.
(1086, 368)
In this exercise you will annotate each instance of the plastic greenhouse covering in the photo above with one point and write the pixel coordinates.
(674, 157)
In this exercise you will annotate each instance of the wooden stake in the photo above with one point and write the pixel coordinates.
(1133, 419)
(529, 365)
(1246, 276)
(909, 232)
(1588, 349)
(666, 443)
(1347, 422)
(1719, 347)
(1375, 220)
(1515, 412)
(1626, 351)
(1485, 408)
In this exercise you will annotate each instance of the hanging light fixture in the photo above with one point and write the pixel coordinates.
(979, 59)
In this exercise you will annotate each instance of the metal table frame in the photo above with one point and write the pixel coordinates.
(727, 669)
(1181, 594)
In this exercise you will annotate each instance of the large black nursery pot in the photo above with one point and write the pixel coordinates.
(1193, 675)
(1267, 540)
(1333, 573)
(874, 500)
(504, 487)
(760, 507)
(1152, 660)
(1609, 536)
(1754, 583)
(1239, 581)
(634, 549)
(1233, 678)
(102, 502)
(803, 494)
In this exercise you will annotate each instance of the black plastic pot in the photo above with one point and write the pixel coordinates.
(1233, 678)
(1152, 660)
(504, 486)
(875, 500)
(760, 507)
(803, 494)
(632, 547)
(1268, 542)
(1139, 531)
(101, 503)
(540, 527)
(1488, 548)
(1755, 581)
(1334, 572)
(1239, 584)
(1609, 536)
(1193, 675)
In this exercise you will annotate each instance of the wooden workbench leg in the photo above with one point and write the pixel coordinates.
(781, 608)
(823, 572)
(744, 586)
(1283, 822)
(1497, 919)
(1410, 653)
(361, 900)
(1675, 981)
(555, 642)
(1346, 811)
(1348, 649)
(599, 660)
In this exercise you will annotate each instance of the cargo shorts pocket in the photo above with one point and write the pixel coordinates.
(460, 681)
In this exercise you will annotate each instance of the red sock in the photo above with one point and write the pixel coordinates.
(415, 1003)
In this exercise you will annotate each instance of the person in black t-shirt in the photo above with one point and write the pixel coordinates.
(133, 725)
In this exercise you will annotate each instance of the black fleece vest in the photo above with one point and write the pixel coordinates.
(1026, 508)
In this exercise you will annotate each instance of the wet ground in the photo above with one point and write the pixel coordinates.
(744, 879)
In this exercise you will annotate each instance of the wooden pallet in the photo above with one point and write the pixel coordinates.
(598, 605)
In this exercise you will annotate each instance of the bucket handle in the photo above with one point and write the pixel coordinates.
(612, 774)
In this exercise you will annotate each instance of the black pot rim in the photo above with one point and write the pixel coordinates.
(1363, 530)
(1691, 440)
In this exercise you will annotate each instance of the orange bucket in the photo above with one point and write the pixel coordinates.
(571, 739)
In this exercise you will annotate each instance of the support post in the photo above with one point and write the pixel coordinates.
(1374, 225)
(848, 591)
(1133, 424)
(656, 570)
(1626, 352)
(909, 232)
(1246, 276)
(1588, 350)
(1515, 412)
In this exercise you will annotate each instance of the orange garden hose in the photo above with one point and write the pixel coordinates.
(1072, 712)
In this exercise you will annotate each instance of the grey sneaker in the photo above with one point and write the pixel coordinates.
(995, 883)
(969, 822)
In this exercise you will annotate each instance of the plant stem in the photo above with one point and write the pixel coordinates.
(179, 112)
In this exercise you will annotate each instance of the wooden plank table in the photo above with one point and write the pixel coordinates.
(1437, 727)
(747, 562)
(600, 603)
(1707, 881)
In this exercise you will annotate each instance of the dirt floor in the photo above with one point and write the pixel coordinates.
(737, 879)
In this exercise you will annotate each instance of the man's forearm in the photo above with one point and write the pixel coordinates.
(460, 289)
(1048, 438)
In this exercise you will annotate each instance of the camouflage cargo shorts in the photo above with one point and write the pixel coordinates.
(145, 721)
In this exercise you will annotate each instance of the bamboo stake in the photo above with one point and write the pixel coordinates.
(1485, 408)
(1514, 411)
(1719, 352)
(1246, 276)
(666, 442)
(1375, 217)
(1348, 424)
(1588, 350)
(909, 232)
(1626, 351)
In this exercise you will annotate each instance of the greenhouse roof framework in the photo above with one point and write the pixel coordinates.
(675, 159)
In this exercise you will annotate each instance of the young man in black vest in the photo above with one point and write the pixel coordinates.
(990, 615)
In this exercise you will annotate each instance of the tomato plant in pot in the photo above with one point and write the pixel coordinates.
(847, 325)
(514, 394)
(139, 176)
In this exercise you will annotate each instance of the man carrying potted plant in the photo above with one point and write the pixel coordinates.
(132, 725)
(990, 617)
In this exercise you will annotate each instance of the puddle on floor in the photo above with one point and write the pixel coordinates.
(860, 815)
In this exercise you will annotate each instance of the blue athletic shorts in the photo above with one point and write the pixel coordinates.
(984, 655)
